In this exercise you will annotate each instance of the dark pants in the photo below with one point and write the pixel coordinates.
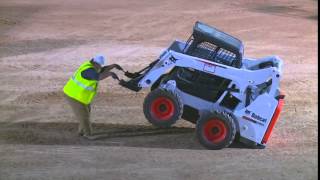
(82, 113)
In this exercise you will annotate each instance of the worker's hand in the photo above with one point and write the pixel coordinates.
(104, 68)
(114, 76)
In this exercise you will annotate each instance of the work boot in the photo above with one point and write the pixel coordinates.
(88, 137)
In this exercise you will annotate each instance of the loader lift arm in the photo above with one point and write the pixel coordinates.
(135, 77)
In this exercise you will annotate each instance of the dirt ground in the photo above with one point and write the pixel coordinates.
(43, 42)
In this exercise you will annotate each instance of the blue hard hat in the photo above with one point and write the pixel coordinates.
(99, 59)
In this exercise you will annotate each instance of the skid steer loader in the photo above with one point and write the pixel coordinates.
(207, 81)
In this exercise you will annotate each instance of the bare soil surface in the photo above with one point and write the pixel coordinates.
(43, 42)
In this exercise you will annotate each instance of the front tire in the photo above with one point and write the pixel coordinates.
(216, 130)
(162, 108)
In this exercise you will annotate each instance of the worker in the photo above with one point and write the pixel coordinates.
(81, 89)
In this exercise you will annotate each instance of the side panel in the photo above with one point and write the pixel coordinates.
(194, 102)
(255, 118)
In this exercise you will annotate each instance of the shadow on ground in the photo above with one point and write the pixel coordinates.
(114, 135)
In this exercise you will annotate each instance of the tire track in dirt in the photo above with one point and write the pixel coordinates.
(65, 133)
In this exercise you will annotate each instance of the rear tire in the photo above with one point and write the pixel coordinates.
(216, 130)
(162, 108)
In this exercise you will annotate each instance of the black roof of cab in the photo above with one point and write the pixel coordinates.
(204, 32)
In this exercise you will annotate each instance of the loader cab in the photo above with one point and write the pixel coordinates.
(209, 43)
(214, 45)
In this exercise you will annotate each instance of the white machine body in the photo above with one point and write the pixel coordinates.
(253, 119)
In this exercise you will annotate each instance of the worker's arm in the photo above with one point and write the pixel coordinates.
(108, 68)
(105, 74)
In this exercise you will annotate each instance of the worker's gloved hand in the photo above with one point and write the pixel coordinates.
(114, 76)
(103, 69)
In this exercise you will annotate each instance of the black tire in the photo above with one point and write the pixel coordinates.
(162, 108)
(216, 130)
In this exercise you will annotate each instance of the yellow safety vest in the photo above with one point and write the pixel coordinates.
(79, 88)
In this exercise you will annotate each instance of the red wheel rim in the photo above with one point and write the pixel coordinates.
(162, 108)
(215, 131)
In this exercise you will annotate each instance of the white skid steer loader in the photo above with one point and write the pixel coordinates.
(207, 81)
